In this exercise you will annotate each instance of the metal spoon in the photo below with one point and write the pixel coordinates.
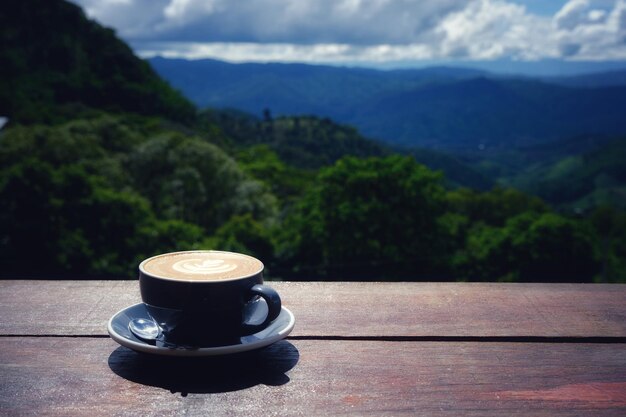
(145, 329)
(150, 332)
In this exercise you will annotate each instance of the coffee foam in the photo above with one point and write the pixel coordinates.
(201, 266)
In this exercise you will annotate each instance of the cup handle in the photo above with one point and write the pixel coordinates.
(274, 306)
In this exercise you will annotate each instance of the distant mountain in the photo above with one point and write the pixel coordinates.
(542, 68)
(289, 89)
(484, 112)
(311, 142)
(602, 79)
(56, 64)
(553, 151)
(443, 108)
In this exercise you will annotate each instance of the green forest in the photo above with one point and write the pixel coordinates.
(102, 164)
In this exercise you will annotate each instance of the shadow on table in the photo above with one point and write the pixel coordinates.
(266, 366)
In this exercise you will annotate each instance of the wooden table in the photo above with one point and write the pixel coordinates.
(432, 349)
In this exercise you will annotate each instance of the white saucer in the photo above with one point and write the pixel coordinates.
(119, 331)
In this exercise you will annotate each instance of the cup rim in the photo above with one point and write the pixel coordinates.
(192, 281)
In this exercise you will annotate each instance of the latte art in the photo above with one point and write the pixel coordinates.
(201, 266)
(198, 266)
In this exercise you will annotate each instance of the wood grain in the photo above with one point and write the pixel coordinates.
(349, 309)
(94, 376)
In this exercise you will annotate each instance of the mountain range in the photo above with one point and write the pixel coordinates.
(444, 108)
(530, 133)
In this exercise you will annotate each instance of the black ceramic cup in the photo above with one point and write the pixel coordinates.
(204, 298)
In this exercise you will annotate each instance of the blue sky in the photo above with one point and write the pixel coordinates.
(371, 32)
(542, 7)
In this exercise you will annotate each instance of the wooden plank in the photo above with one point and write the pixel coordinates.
(94, 376)
(349, 309)
(32, 307)
(458, 309)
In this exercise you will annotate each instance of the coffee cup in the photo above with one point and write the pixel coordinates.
(207, 297)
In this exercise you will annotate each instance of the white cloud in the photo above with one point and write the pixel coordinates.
(588, 30)
(364, 22)
(365, 30)
(490, 29)
(184, 11)
(130, 18)
(278, 52)
(572, 14)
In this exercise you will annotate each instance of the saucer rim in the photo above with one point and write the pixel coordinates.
(201, 351)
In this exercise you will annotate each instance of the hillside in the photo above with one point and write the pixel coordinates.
(289, 89)
(492, 113)
(302, 141)
(56, 64)
(311, 142)
(603, 79)
(444, 108)
(580, 181)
